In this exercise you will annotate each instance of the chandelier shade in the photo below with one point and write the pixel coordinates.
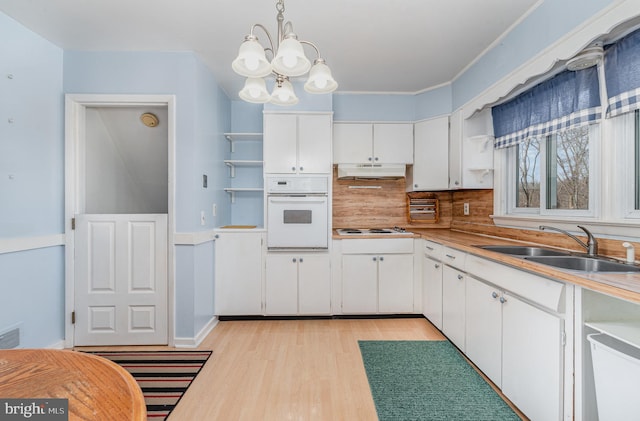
(251, 60)
(283, 94)
(288, 60)
(320, 80)
(255, 91)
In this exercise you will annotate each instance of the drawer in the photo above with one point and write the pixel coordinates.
(454, 258)
(377, 245)
(433, 250)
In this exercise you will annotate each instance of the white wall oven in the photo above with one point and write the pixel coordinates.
(297, 212)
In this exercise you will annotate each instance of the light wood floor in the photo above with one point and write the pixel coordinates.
(290, 369)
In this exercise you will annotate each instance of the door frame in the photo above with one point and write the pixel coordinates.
(75, 113)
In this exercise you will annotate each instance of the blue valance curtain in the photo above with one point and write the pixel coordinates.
(569, 99)
(622, 74)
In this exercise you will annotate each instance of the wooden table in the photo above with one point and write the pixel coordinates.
(97, 389)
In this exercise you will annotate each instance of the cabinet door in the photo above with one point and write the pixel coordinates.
(314, 144)
(532, 355)
(352, 143)
(238, 274)
(280, 149)
(314, 284)
(359, 283)
(281, 284)
(432, 291)
(431, 155)
(483, 337)
(455, 151)
(395, 283)
(393, 143)
(453, 305)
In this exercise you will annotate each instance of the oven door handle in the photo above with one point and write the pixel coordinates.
(293, 201)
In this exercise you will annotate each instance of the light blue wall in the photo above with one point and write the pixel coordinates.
(544, 26)
(31, 183)
(373, 107)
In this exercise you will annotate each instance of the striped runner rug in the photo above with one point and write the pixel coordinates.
(163, 376)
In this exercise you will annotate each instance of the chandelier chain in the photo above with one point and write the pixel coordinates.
(280, 6)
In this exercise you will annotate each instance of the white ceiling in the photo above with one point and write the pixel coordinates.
(370, 45)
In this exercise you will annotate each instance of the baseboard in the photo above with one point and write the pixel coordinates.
(197, 340)
(57, 345)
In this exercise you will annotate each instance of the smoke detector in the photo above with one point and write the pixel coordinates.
(588, 57)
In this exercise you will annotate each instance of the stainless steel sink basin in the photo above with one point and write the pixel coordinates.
(583, 264)
(525, 250)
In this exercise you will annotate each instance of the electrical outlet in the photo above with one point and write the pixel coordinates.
(202, 220)
(214, 209)
(466, 209)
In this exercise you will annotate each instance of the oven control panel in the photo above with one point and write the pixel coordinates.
(290, 184)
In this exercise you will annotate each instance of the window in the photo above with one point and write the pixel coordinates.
(566, 163)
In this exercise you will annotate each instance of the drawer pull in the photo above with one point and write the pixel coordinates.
(450, 256)
(460, 277)
(494, 294)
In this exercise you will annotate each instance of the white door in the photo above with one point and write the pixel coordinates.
(352, 143)
(314, 284)
(431, 154)
(393, 143)
(395, 283)
(314, 144)
(432, 291)
(483, 335)
(360, 283)
(121, 279)
(453, 305)
(281, 284)
(280, 144)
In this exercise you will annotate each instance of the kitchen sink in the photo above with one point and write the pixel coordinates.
(525, 250)
(583, 264)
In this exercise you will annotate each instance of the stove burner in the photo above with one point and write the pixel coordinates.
(351, 231)
(379, 231)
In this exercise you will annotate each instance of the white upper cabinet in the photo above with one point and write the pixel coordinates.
(373, 143)
(431, 156)
(297, 143)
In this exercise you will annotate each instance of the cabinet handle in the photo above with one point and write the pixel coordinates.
(301, 168)
(494, 294)
(456, 183)
(415, 185)
(301, 260)
(427, 247)
(216, 236)
(460, 277)
(294, 260)
(503, 300)
(293, 168)
(436, 266)
(374, 259)
(370, 159)
(376, 158)
(381, 258)
(450, 256)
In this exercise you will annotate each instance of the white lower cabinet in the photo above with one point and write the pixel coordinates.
(238, 273)
(377, 276)
(517, 344)
(297, 284)
(532, 359)
(453, 305)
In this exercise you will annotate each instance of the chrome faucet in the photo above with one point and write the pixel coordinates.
(592, 243)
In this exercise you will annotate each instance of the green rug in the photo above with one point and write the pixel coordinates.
(428, 380)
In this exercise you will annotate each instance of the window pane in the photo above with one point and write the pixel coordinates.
(528, 174)
(568, 169)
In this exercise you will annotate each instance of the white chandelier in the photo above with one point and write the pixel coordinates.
(288, 61)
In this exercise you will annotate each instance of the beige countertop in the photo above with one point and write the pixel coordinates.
(621, 285)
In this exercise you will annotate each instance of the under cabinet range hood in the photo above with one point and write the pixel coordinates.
(371, 170)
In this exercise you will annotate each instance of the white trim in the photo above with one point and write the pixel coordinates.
(75, 105)
(193, 238)
(57, 345)
(563, 49)
(11, 245)
(197, 340)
